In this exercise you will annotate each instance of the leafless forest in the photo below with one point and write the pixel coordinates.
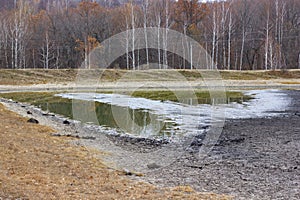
(238, 34)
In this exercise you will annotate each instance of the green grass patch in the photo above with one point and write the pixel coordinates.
(198, 97)
(34, 98)
(201, 97)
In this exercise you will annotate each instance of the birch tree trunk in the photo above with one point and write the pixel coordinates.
(223, 21)
(213, 40)
(145, 10)
(184, 41)
(280, 13)
(57, 57)
(242, 49)
(236, 60)
(217, 44)
(166, 34)
(47, 53)
(158, 20)
(6, 32)
(18, 33)
(267, 41)
(47, 50)
(86, 62)
(206, 50)
(282, 33)
(271, 56)
(127, 44)
(229, 41)
(277, 29)
(133, 37)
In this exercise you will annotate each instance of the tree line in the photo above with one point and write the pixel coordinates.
(237, 34)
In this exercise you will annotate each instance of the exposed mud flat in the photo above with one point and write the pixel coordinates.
(253, 159)
(256, 158)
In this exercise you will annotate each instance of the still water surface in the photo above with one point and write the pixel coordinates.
(146, 118)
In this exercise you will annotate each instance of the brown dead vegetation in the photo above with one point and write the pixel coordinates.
(65, 76)
(35, 165)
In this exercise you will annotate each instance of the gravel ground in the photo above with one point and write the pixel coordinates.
(253, 158)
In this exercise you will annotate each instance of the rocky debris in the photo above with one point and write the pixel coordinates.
(127, 172)
(228, 141)
(137, 144)
(48, 114)
(32, 120)
(198, 140)
(194, 166)
(153, 166)
(29, 113)
(204, 127)
(65, 135)
(88, 138)
(74, 136)
(196, 143)
(66, 122)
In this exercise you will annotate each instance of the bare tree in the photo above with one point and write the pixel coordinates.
(226, 22)
(165, 39)
(18, 34)
(214, 40)
(267, 40)
(280, 9)
(230, 26)
(47, 51)
(133, 35)
(145, 8)
(244, 16)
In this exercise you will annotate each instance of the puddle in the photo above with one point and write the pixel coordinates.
(151, 118)
(136, 121)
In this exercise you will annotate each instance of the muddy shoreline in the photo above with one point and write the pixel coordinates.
(253, 158)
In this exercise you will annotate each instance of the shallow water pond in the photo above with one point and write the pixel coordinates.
(149, 117)
(134, 121)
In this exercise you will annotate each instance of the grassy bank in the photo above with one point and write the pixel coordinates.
(34, 97)
(64, 76)
(203, 97)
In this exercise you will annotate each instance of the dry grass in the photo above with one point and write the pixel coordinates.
(260, 75)
(290, 82)
(29, 77)
(64, 76)
(35, 165)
